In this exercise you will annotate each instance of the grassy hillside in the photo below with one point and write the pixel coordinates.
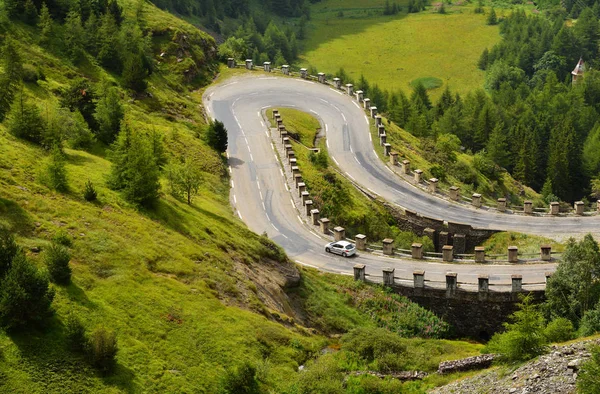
(393, 51)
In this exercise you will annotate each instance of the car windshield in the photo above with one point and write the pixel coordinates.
(350, 246)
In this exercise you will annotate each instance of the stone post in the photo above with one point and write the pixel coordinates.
(417, 175)
(433, 182)
(419, 279)
(349, 89)
(249, 64)
(292, 158)
(454, 193)
(382, 139)
(513, 254)
(479, 254)
(380, 129)
(301, 189)
(297, 180)
(554, 208)
(359, 272)
(337, 83)
(430, 233)
(393, 158)
(598, 205)
(231, 62)
(321, 77)
(476, 200)
(388, 246)
(303, 73)
(502, 204)
(517, 283)
(360, 241)
(387, 148)
(366, 103)
(295, 170)
(267, 66)
(305, 196)
(359, 96)
(281, 129)
(373, 111)
(546, 252)
(417, 250)
(339, 233)
(447, 253)
(484, 283)
(443, 240)
(314, 215)
(579, 207)
(308, 205)
(528, 207)
(287, 147)
(324, 222)
(460, 243)
(285, 69)
(388, 276)
(451, 283)
(275, 113)
(378, 120)
(405, 167)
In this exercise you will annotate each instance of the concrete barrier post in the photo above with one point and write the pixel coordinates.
(324, 224)
(339, 233)
(430, 233)
(249, 64)
(454, 193)
(337, 83)
(388, 246)
(349, 89)
(554, 208)
(275, 113)
(388, 276)
(359, 272)
(295, 170)
(393, 158)
(301, 188)
(417, 175)
(546, 252)
(297, 180)
(417, 251)
(359, 96)
(366, 103)
(281, 129)
(267, 66)
(476, 200)
(360, 241)
(513, 254)
(378, 120)
(303, 73)
(308, 205)
(373, 111)
(292, 157)
(502, 204)
(460, 243)
(231, 62)
(598, 205)
(451, 283)
(447, 253)
(528, 207)
(419, 279)
(321, 77)
(405, 167)
(479, 254)
(285, 69)
(484, 283)
(433, 182)
(443, 240)
(387, 148)
(517, 283)
(305, 196)
(287, 147)
(314, 215)
(579, 206)
(380, 129)
(382, 139)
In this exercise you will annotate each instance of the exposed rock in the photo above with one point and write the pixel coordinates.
(402, 375)
(466, 364)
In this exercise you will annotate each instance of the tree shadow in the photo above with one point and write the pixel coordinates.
(169, 216)
(76, 294)
(78, 159)
(17, 218)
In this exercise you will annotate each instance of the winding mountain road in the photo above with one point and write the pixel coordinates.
(263, 200)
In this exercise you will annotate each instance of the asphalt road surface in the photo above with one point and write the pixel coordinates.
(263, 201)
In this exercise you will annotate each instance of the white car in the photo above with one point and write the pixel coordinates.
(343, 248)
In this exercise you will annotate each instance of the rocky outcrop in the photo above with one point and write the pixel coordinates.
(554, 372)
(466, 364)
(404, 376)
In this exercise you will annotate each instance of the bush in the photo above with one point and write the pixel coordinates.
(439, 172)
(376, 345)
(590, 323)
(30, 73)
(90, 193)
(241, 380)
(559, 330)
(57, 259)
(62, 238)
(588, 379)
(216, 136)
(8, 251)
(25, 295)
(102, 349)
(56, 172)
(24, 121)
(75, 333)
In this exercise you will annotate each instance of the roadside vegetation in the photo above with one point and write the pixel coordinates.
(334, 195)
(498, 243)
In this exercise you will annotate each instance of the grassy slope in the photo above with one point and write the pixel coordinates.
(393, 51)
(358, 214)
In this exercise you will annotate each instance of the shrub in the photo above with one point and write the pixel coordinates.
(376, 345)
(102, 349)
(30, 73)
(57, 259)
(56, 172)
(439, 172)
(241, 380)
(216, 136)
(90, 193)
(25, 295)
(559, 330)
(590, 323)
(8, 251)
(75, 333)
(588, 379)
(62, 238)
(24, 121)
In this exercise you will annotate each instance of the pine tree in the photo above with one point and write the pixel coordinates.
(483, 59)
(73, 36)
(109, 115)
(497, 147)
(24, 121)
(8, 250)
(46, 26)
(10, 78)
(492, 19)
(134, 73)
(216, 136)
(30, 13)
(420, 92)
(108, 44)
(56, 172)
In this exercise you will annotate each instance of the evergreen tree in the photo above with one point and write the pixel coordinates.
(109, 115)
(73, 36)
(30, 14)
(497, 147)
(135, 73)
(116, 11)
(56, 171)
(587, 34)
(46, 26)
(24, 121)
(483, 59)
(492, 19)
(80, 96)
(8, 250)
(57, 260)
(108, 44)
(10, 78)
(420, 92)
(216, 136)
(486, 122)
(560, 145)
